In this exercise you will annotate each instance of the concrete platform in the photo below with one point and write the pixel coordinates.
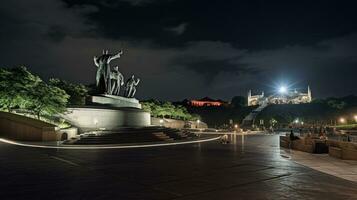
(250, 167)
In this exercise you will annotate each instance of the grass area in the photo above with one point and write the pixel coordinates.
(346, 126)
(57, 121)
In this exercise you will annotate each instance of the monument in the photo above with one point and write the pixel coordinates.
(115, 107)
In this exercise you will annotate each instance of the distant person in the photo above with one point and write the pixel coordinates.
(224, 139)
(323, 136)
(271, 130)
(292, 136)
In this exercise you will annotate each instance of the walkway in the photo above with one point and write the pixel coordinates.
(346, 169)
(250, 167)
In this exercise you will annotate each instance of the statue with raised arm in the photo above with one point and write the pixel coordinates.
(130, 87)
(117, 80)
(103, 70)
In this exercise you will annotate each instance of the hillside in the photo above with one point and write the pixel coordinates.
(219, 116)
(322, 111)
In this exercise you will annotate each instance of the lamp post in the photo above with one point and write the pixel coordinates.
(342, 120)
(235, 128)
(95, 121)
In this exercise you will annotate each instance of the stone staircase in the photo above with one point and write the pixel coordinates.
(162, 136)
(127, 135)
(248, 121)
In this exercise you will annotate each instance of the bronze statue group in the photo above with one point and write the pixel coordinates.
(112, 79)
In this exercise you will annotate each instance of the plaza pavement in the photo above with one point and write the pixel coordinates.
(346, 169)
(250, 167)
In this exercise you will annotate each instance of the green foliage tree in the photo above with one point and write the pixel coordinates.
(47, 100)
(167, 109)
(15, 86)
(272, 122)
(21, 89)
(239, 101)
(333, 103)
(77, 92)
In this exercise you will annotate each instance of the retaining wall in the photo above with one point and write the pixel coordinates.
(18, 127)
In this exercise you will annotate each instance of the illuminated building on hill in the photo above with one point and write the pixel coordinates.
(284, 96)
(207, 102)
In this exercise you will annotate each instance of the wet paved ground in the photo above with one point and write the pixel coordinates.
(253, 168)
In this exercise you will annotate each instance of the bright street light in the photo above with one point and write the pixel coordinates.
(342, 120)
(282, 90)
(355, 117)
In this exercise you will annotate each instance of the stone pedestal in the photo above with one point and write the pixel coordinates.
(106, 118)
(108, 112)
(115, 101)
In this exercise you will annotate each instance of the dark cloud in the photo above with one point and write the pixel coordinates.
(255, 24)
(188, 49)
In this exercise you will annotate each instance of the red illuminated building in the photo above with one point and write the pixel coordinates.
(207, 102)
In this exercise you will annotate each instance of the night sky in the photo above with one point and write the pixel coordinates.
(188, 49)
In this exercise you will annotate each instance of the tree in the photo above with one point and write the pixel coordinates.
(21, 89)
(272, 122)
(333, 103)
(77, 92)
(166, 109)
(15, 86)
(239, 101)
(47, 100)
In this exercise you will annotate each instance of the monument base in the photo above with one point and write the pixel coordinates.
(108, 112)
(89, 118)
(115, 101)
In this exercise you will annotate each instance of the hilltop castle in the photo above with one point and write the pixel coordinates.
(289, 97)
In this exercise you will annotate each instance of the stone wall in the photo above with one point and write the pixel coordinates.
(17, 127)
(170, 123)
(179, 124)
(343, 150)
(68, 133)
(300, 145)
(337, 149)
